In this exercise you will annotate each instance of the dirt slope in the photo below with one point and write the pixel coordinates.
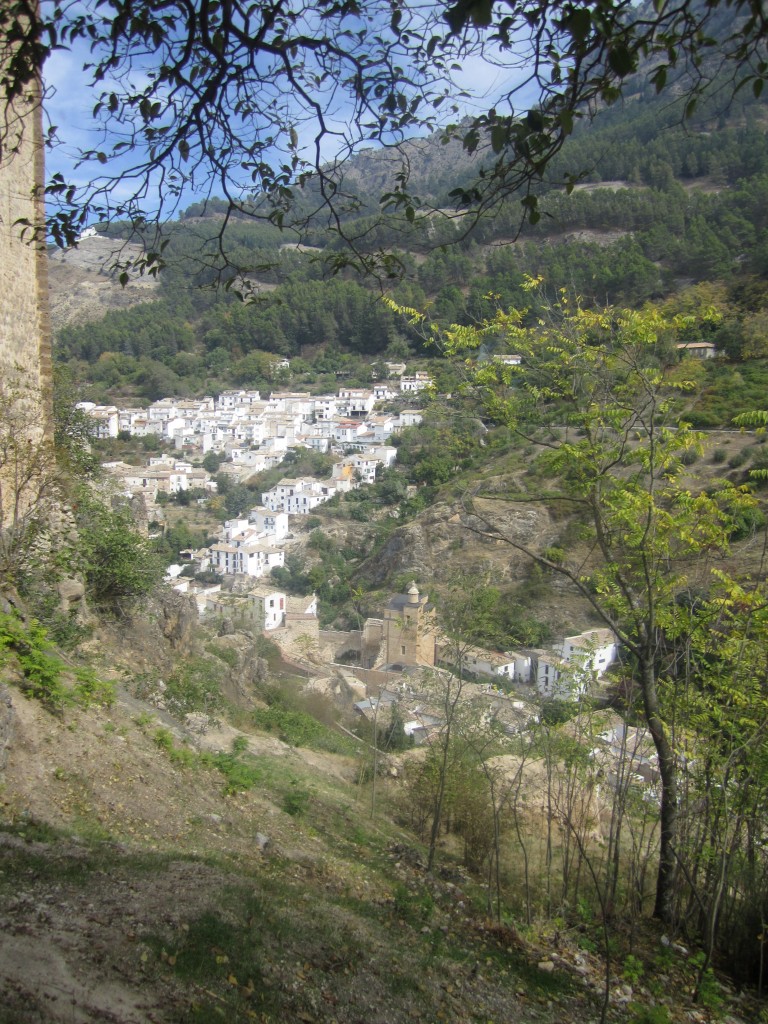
(132, 890)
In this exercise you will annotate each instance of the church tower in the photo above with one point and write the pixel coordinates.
(409, 629)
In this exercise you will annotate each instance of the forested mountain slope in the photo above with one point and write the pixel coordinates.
(663, 206)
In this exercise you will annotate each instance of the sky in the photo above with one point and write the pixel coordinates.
(70, 101)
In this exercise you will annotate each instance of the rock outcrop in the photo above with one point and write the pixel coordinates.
(178, 619)
(7, 724)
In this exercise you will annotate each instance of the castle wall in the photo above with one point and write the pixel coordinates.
(25, 344)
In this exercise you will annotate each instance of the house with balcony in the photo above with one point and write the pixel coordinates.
(245, 556)
(415, 383)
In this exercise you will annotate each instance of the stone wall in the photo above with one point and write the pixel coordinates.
(25, 344)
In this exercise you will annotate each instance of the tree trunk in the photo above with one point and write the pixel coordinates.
(665, 883)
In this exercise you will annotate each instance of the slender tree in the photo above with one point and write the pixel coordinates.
(615, 441)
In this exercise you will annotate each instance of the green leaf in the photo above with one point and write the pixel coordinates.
(621, 60)
(498, 138)
(659, 78)
(578, 23)
(479, 12)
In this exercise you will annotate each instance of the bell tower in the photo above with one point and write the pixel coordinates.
(409, 629)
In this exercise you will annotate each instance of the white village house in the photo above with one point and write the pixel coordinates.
(558, 674)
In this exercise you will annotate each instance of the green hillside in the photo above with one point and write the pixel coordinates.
(662, 207)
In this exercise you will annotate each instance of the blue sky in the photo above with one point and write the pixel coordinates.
(70, 101)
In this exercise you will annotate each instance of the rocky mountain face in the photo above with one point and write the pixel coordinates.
(83, 281)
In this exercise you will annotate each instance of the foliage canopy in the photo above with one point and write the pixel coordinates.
(265, 102)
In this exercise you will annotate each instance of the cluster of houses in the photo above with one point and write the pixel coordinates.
(256, 432)
(163, 474)
(408, 636)
(391, 652)
(558, 673)
(401, 657)
(411, 664)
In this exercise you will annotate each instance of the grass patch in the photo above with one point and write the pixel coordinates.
(296, 800)
(229, 656)
(300, 729)
(240, 772)
(181, 757)
(220, 956)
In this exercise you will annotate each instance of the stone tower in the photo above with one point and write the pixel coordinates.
(409, 629)
(26, 413)
(25, 343)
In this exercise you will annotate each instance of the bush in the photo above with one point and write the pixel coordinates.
(119, 564)
(239, 774)
(554, 554)
(296, 801)
(182, 757)
(301, 730)
(649, 1014)
(749, 522)
(738, 458)
(44, 676)
(194, 686)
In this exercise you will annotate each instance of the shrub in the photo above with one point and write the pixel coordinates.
(228, 655)
(633, 970)
(301, 730)
(296, 801)
(119, 563)
(554, 554)
(43, 675)
(748, 522)
(240, 775)
(738, 458)
(649, 1014)
(194, 686)
(182, 757)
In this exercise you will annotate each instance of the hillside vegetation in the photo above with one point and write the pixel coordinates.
(154, 873)
(195, 828)
(681, 220)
